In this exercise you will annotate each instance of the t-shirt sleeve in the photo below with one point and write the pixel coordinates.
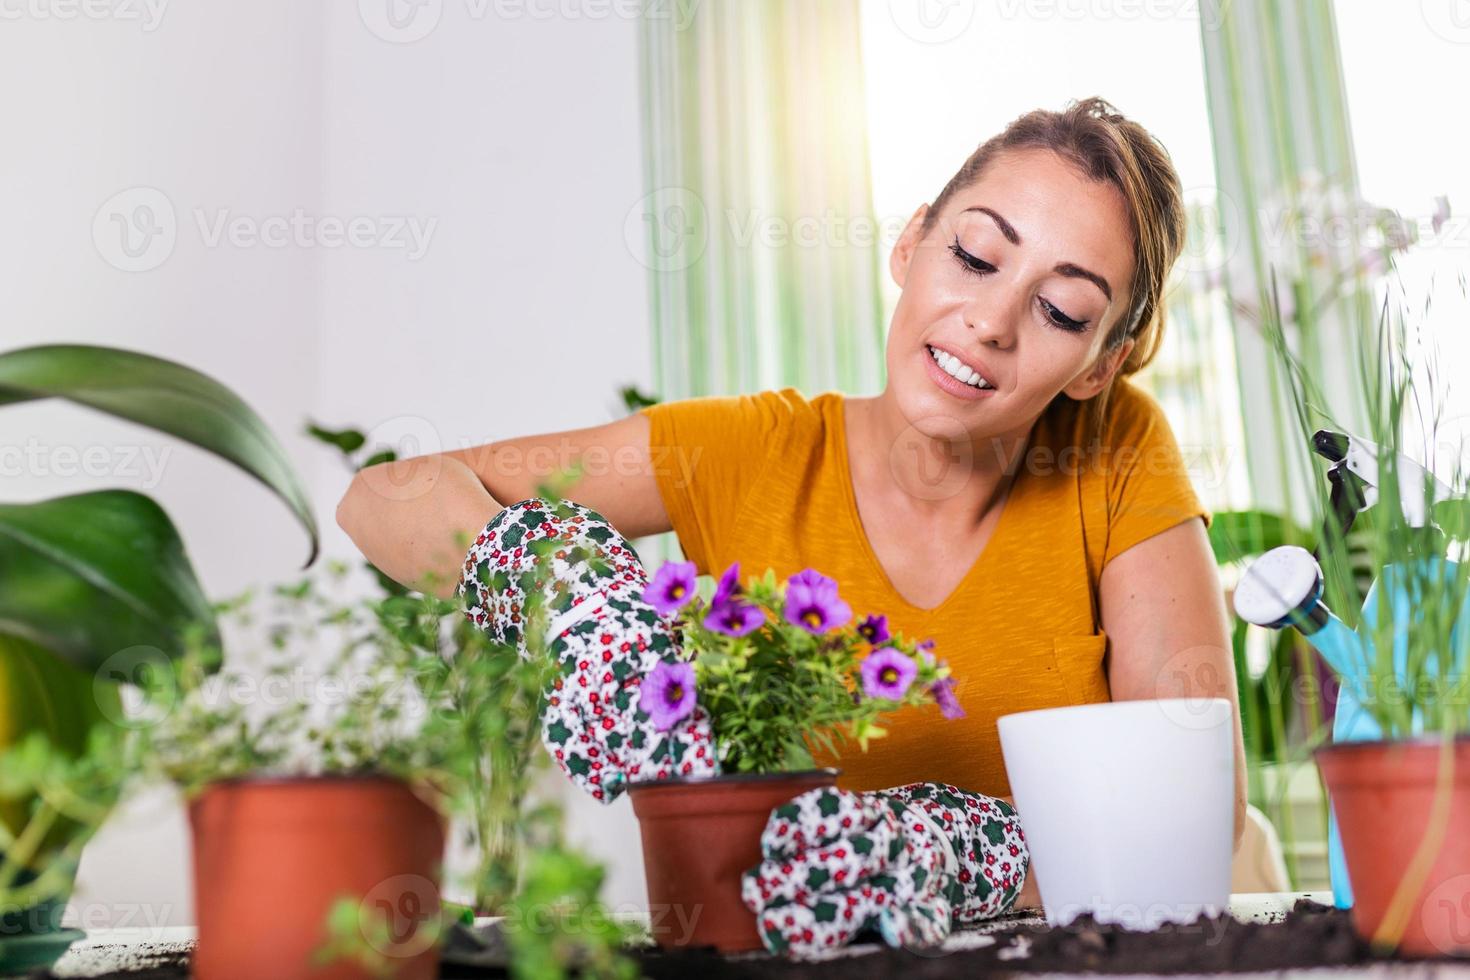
(707, 453)
(1149, 487)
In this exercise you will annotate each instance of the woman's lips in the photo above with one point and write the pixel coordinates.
(953, 386)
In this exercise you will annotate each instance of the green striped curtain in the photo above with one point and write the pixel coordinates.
(1193, 376)
(758, 221)
(1288, 202)
(1284, 160)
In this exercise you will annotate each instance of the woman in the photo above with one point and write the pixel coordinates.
(1009, 494)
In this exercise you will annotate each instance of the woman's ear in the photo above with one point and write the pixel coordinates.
(1096, 378)
(903, 249)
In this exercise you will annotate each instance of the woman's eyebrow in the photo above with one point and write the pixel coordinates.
(1070, 269)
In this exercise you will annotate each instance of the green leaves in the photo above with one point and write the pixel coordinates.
(348, 441)
(93, 574)
(634, 399)
(165, 396)
(55, 799)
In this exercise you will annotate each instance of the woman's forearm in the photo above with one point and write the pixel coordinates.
(414, 519)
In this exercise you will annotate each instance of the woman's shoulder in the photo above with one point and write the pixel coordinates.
(1129, 417)
(753, 418)
(1129, 467)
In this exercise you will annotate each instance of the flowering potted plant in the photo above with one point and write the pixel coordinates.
(779, 669)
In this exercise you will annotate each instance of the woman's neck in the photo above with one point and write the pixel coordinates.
(956, 476)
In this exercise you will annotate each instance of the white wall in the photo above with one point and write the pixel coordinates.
(511, 145)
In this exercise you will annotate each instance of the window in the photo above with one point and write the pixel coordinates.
(1406, 68)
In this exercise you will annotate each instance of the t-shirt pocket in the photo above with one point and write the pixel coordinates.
(1079, 658)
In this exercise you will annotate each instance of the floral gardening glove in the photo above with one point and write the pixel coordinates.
(605, 637)
(907, 861)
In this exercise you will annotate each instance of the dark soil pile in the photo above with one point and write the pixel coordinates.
(1310, 935)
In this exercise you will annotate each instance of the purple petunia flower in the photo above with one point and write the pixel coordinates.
(943, 691)
(667, 694)
(812, 602)
(672, 587)
(734, 618)
(887, 673)
(874, 629)
(728, 587)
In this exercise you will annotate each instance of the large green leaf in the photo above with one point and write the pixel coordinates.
(43, 693)
(91, 575)
(162, 395)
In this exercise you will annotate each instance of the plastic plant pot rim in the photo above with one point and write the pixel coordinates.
(733, 779)
(325, 777)
(424, 790)
(1381, 744)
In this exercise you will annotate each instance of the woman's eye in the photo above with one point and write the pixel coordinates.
(970, 262)
(979, 266)
(1061, 321)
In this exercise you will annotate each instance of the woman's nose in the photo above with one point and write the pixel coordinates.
(994, 323)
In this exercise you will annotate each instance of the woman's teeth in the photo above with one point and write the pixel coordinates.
(951, 366)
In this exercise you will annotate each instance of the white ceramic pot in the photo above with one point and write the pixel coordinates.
(1127, 807)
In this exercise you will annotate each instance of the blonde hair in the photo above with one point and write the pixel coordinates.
(1105, 146)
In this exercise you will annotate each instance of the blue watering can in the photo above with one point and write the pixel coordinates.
(1284, 588)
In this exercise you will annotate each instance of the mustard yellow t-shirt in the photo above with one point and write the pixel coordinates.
(763, 479)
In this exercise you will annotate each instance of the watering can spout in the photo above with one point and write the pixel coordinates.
(1340, 646)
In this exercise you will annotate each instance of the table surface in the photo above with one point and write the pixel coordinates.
(106, 950)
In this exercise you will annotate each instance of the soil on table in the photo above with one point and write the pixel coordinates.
(1309, 935)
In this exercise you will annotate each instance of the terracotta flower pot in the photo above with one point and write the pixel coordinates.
(699, 837)
(272, 856)
(1383, 794)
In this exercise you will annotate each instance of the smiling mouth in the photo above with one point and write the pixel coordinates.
(956, 369)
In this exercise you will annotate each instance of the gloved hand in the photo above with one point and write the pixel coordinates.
(605, 637)
(908, 861)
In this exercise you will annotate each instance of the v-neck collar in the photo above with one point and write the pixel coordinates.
(855, 521)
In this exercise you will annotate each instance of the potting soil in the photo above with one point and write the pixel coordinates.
(1309, 935)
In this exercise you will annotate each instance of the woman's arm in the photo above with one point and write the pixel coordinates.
(412, 518)
(1163, 609)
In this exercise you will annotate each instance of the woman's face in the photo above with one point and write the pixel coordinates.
(1019, 281)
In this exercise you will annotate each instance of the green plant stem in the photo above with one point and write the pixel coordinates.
(27, 844)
